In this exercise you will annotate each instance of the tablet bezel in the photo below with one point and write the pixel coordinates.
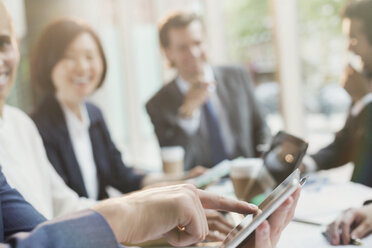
(280, 193)
(278, 140)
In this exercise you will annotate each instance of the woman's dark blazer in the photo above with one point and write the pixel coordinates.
(111, 170)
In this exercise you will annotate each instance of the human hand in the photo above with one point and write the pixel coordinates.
(353, 222)
(354, 83)
(268, 233)
(218, 226)
(195, 172)
(195, 97)
(302, 168)
(158, 212)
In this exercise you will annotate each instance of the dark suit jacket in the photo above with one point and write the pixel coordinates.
(235, 90)
(50, 121)
(22, 226)
(353, 143)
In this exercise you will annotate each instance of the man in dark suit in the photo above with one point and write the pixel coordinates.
(353, 143)
(210, 111)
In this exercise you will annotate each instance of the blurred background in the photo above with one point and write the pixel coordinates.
(294, 49)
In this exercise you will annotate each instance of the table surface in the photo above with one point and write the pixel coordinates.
(323, 198)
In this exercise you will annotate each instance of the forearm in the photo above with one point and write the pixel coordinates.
(83, 229)
(116, 212)
(162, 179)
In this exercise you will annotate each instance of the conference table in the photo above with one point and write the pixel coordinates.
(325, 195)
(323, 198)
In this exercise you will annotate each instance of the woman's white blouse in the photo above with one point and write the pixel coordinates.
(26, 167)
(80, 139)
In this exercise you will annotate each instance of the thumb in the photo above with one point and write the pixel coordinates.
(263, 236)
(361, 230)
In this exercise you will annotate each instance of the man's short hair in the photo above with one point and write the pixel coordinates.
(174, 21)
(361, 10)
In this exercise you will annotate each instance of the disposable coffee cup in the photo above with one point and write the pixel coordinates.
(244, 175)
(172, 158)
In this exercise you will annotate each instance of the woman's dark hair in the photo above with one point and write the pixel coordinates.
(51, 48)
(360, 10)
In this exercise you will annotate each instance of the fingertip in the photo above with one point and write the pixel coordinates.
(335, 239)
(253, 207)
(250, 208)
(356, 234)
(297, 192)
(264, 230)
(288, 203)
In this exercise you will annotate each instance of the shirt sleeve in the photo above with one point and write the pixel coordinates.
(85, 229)
(190, 125)
(310, 163)
(119, 176)
(17, 214)
(64, 199)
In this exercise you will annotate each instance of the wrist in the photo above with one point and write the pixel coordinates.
(116, 213)
(185, 111)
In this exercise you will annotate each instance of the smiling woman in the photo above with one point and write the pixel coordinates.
(79, 72)
(68, 51)
(68, 65)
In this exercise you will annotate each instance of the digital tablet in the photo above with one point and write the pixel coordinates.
(241, 232)
(284, 156)
(218, 171)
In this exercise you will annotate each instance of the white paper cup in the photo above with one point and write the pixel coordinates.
(244, 174)
(172, 157)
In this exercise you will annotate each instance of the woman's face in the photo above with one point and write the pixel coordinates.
(8, 55)
(79, 72)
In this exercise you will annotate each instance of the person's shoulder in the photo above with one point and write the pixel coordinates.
(369, 105)
(91, 107)
(163, 93)
(230, 68)
(16, 114)
(367, 110)
(48, 109)
(94, 112)
(18, 118)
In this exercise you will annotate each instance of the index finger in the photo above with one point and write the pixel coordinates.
(333, 233)
(218, 202)
(345, 225)
(295, 196)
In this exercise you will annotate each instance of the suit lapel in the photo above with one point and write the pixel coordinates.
(175, 93)
(1, 224)
(226, 95)
(71, 164)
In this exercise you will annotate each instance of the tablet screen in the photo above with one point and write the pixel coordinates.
(284, 156)
(268, 206)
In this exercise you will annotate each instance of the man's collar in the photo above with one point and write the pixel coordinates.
(368, 75)
(359, 105)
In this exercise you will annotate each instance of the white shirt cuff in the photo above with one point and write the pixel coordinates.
(190, 125)
(309, 163)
